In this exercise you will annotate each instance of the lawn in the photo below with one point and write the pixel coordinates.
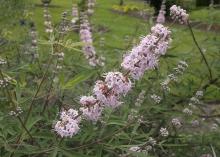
(119, 27)
(207, 15)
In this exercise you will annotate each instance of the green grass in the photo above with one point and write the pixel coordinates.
(206, 15)
(118, 27)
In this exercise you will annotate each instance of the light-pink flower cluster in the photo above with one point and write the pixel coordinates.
(91, 5)
(117, 82)
(161, 16)
(47, 22)
(75, 14)
(91, 109)
(145, 55)
(68, 125)
(88, 48)
(34, 46)
(108, 92)
(177, 13)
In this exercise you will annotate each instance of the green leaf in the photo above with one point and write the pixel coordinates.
(116, 122)
(69, 153)
(26, 149)
(213, 151)
(77, 79)
(54, 152)
(44, 135)
(33, 121)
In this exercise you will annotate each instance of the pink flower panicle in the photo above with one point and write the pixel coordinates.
(117, 82)
(145, 56)
(91, 110)
(68, 125)
(91, 5)
(75, 14)
(105, 95)
(88, 100)
(161, 16)
(179, 14)
(64, 25)
(88, 48)
(34, 47)
(93, 113)
(107, 92)
(47, 22)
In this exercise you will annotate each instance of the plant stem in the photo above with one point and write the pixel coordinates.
(49, 92)
(19, 118)
(200, 50)
(38, 90)
(14, 105)
(104, 138)
(32, 103)
(55, 48)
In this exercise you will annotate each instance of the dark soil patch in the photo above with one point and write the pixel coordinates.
(102, 29)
